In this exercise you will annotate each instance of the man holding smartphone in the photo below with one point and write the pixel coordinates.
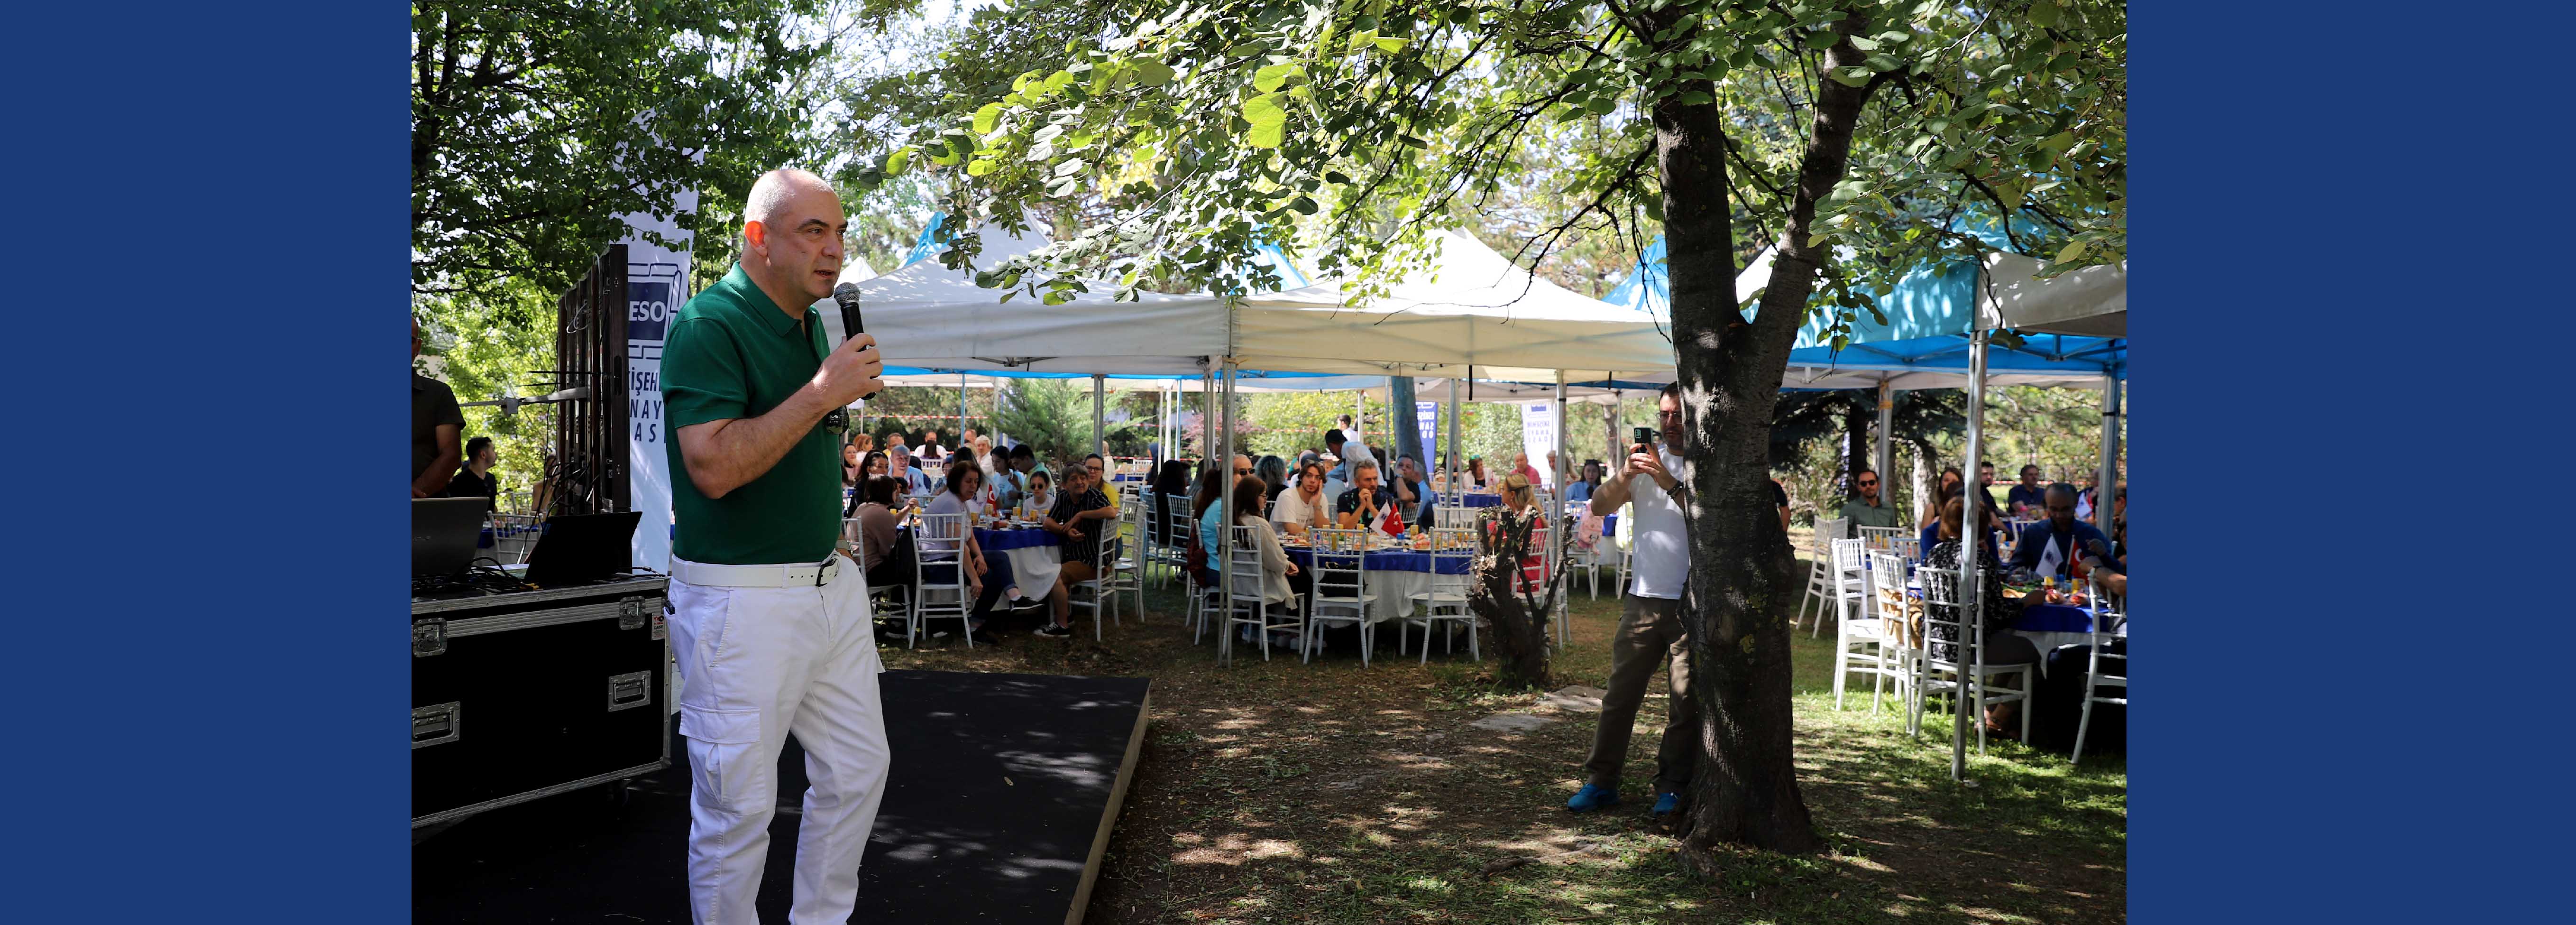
(1650, 621)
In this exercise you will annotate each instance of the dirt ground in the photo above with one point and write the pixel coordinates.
(1274, 791)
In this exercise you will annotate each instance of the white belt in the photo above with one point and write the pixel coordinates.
(799, 574)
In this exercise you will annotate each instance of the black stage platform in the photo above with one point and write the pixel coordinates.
(997, 810)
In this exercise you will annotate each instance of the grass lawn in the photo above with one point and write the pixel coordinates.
(1329, 792)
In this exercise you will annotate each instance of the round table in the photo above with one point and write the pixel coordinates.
(1480, 499)
(1032, 554)
(1394, 575)
(2047, 626)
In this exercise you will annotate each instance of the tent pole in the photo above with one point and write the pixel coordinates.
(2106, 487)
(1564, 633)
(1886, 456)
(1973, 531)
(1099, 432)
(1610, 422)
(1225, 477)
(1453, 465)
(961, 406)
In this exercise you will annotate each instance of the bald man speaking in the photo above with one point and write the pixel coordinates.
(770, 627)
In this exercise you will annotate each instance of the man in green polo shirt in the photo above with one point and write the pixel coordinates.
(1867, 510)
(770, 628)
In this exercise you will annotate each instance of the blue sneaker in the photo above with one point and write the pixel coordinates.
(1667, 802)
(1592, 797)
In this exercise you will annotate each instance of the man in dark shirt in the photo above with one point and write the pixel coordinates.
(1082, 513)
(2026, 497)
(476, 479)
(2058, 541)
(1985, 490)
(435, 423)
(1366, 503)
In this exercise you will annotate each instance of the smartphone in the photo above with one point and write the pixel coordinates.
(1645, 436)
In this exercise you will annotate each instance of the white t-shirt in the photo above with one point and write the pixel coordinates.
(1661, 550)
(1291, 508)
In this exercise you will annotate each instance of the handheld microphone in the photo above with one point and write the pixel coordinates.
(846, 295)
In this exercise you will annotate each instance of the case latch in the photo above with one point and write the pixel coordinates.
(428, 637)
(630, 613)
(436, 724)
(628, 691)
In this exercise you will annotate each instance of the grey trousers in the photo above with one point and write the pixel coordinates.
(1650, 634)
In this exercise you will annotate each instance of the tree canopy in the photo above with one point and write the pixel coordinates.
(534, 128)
(1861, 139)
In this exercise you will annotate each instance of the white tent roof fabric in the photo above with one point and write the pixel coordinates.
(1469, 307)
(2092, 302)
(927, 315)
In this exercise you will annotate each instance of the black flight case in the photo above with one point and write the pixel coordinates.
(531, 694)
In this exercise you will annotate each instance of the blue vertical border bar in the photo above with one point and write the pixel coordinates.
(209, 238)
(2346, 487)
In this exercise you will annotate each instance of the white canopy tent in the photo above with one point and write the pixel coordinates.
(1469, 311)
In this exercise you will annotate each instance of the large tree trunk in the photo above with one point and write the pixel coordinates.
(1408, 435)
(1743, 579)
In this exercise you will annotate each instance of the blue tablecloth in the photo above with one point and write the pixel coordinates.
(1388, 560)
(2054, 618)
(1480, 499)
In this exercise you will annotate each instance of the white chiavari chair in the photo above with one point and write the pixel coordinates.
(939, 577)
(1341, 593)
(1446, 601)
(1961, 657)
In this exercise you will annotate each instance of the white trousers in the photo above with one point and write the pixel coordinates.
(755, 665)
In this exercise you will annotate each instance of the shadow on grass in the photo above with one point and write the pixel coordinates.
(1329, 792)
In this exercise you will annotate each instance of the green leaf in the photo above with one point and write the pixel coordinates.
(1390, 45)
(1153, 73)
(1335, 176)
(1864, 44)
(1851, 76)
(1304, 205)
(2073, 252)
(1694, 98)
(981, 166)
(1819, 238)
(1264, 110)
(2043, 13)
(1823, 40)
(896, 162)
(987, 117)
(1270, 78)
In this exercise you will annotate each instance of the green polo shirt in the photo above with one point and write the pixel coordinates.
(1862, 515)
(731, 353)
